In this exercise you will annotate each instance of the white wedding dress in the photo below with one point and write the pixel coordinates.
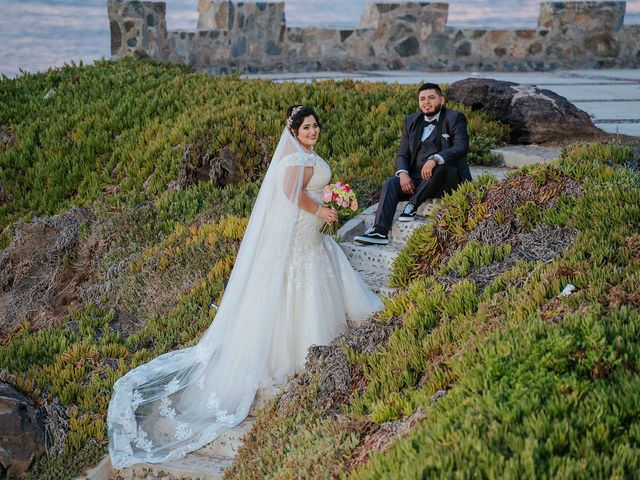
(291, 287)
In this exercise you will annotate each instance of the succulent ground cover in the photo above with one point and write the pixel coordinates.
(480, 367)
(124, 193)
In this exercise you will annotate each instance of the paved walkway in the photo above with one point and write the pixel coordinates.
(611, 97)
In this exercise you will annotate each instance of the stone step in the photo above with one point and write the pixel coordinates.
(377, 281)
(207, 463)
(229, 441)
(498, 172)
(401, 231)
(191, 467)
(263, 396)
(515, 156)
(371, 258)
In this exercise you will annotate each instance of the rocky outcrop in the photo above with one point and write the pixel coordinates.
(337, 378)
(199, 165)
(253, 36)
(534, 115)
(22, 433)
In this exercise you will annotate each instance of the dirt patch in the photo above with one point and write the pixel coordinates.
(632, 244)
(512, 204)
(543, 243)
(336, 377)
(379, 437)
(622, 294)
(41, 270)
(7, 136)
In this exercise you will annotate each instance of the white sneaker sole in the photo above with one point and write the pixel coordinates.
(411, 219)
(372, 241)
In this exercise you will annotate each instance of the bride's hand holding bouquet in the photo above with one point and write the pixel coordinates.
(339, 197)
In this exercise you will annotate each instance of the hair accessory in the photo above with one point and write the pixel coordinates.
(294, 112)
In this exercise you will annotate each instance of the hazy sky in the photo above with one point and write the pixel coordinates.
(346, 13)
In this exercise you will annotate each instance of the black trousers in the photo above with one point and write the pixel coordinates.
(443, 180)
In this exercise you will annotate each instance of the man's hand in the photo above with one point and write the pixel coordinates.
(406, 184)
(427, 169)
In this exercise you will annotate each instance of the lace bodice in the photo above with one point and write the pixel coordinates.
(321, 171)
(321, 177)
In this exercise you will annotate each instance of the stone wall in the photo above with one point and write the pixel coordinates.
(391, 36)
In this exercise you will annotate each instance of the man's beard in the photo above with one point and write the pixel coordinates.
(435, 111)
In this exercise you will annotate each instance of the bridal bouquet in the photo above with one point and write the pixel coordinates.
(340, 197)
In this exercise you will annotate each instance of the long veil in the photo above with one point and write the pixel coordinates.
(184, 399)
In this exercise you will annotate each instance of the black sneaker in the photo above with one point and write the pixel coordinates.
(373, 236)
(408, 214)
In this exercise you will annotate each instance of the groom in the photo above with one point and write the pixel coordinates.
(431, 161)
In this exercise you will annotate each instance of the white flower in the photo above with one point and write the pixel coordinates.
(182, 432)
(137, 399)
(142, 441)
(214, 402)
(165, 408)
(226, 418)
(172, 386)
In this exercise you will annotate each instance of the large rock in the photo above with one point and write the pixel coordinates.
(199, 165)
(534, 115)
(22, 433)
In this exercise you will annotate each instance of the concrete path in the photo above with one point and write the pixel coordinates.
(611, 97)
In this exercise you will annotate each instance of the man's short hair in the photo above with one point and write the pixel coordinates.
(430, 86)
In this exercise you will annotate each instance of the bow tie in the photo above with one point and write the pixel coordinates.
(433, 122)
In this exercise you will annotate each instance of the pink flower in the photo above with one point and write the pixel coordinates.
(334, 196)
(326, 196)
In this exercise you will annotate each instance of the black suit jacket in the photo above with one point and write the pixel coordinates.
(454, 140)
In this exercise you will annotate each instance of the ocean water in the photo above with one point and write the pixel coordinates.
(38, 34)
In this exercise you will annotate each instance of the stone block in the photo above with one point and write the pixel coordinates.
(463, 50)
(560, 17)
(408, 47)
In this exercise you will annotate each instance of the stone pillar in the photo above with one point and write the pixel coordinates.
(583, 33)
(256, 30)
(139, 28)
(629, 37)
(214, 14)
(408, 35)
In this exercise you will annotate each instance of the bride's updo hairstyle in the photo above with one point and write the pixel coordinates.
(296, 115)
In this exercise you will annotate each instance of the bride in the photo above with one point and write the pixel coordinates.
(291, 287)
